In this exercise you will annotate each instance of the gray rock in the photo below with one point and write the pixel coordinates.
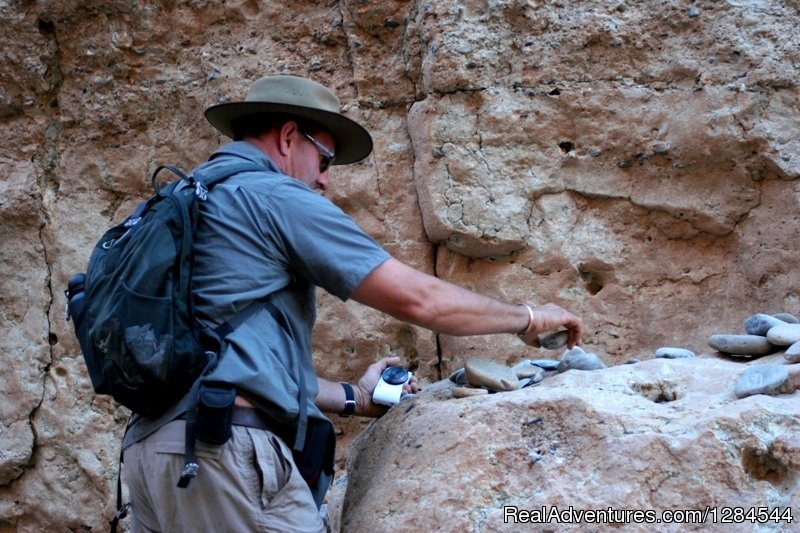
(760, 324)
(546, 364)
(760, 379)
(673, 353)
(526, 369)
(787, 317)
(784, 334)
(459, 377)
(493, 376)
(533, 380)
(554, 341)
(577, 359)
(793, 353)
(741, 344)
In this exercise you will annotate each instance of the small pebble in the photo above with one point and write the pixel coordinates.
(784, 334)
(673, 353)
(760, 379)
(459, 377)
(526, 369)
(535, 379)
(741, 344)
(579, 360)
(554, 341)
(632, 361)
(788, 317)
(493, 376)
(793, 353)
(760, 324)
(465, 392)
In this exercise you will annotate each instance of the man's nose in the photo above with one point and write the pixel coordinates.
(323, 182)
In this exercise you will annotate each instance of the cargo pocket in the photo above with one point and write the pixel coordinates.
(269, 462)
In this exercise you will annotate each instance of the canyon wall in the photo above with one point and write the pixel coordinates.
(636, 162)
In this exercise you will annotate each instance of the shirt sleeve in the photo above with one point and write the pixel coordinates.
(321, 243)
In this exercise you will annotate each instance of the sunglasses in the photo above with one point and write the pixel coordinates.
(327, 155)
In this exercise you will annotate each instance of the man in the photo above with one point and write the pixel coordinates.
(266, 236)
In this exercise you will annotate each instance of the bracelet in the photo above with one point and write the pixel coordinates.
(530, 321)
(349, 400)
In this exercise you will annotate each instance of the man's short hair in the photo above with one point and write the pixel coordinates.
(260, 123)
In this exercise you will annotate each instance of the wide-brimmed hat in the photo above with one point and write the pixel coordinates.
(303, 98)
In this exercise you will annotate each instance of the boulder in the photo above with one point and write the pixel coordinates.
(661, 434)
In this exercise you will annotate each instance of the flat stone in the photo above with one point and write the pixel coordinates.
(784, 334)
(788, 317)
(793, 353)
(760, 379)
(466, 392)
(536, 378)
(493, 376)
(741, 344)
(760, 324)
(546, 364)
(667, 352)
(554, 341)
(526, 369)
(579, 360)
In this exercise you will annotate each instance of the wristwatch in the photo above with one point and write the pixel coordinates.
(349, 400)
(390, 386)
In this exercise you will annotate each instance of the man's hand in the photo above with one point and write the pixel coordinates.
(366, 385)
(550, 317)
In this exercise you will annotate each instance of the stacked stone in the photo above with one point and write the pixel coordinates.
(765, 334)
(481, 376)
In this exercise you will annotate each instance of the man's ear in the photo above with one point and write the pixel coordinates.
(287, 138)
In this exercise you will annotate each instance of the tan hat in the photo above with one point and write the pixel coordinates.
(303, 98)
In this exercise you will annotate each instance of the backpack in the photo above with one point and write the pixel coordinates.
(133, 312)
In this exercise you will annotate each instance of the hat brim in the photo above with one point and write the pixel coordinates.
(353, 142)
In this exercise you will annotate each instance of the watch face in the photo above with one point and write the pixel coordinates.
(395, 375)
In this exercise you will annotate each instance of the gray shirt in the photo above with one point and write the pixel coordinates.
(266, 235)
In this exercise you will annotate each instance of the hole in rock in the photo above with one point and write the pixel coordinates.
(658, 392)
(763, 465)
(592, 282)
(566, 146)
(45, 26)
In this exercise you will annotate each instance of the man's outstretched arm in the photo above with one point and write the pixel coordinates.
(413, 296)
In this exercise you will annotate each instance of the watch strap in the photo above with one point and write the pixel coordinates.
(349, 400)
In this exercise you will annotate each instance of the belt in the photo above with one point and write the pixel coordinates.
(249, 417)
(245, 416)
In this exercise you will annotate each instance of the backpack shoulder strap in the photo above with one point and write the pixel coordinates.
(212, 176)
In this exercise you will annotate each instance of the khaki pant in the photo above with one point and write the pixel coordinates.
(248, 484)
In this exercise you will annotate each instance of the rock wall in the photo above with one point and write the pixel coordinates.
(634, 161)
